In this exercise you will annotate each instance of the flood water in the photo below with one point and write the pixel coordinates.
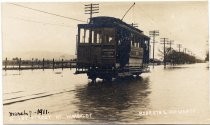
(174, 95)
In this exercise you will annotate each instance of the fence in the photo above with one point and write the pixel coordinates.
(19, 64)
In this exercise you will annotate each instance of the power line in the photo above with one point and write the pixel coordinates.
(150, 18)
(46, 12)
(82, 3)
(146, 14)
(34, 21)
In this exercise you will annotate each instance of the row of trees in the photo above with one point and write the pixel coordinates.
(174, 57)
(207, 56)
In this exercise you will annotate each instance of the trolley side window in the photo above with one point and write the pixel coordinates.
(132, 40)
(147, 44)
(135, 42)
(108, 35)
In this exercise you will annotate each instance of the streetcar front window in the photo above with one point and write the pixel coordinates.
(97, 35)
(98, 39)
(84, 35)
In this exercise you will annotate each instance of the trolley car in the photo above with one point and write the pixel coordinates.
(110, 48)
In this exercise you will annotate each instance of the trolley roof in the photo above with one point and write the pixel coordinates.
(105, 21)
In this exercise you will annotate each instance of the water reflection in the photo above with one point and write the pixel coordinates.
(175, 67)
(13, 73)
(116, 101)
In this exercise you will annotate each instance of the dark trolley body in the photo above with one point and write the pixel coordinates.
(109, 48)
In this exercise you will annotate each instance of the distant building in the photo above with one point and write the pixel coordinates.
(156, 61)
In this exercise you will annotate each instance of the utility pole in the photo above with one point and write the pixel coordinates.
(164, 42)
(91, 9)
(170, 43)
(184, 50)
(170, 50)
(179, 46)
(154, 33)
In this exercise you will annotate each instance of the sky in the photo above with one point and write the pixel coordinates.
(25, 31)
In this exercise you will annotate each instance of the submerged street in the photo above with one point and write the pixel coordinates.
(177, 94)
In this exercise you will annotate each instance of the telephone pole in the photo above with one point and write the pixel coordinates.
(184, 50)
(164, 42)
(179, 46)
(170, 50)
(154, 33)
(170, 43)
(91, 9)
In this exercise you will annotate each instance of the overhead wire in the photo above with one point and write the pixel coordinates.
(151, 19)
(40, 22)
(47, 12)
(82, 3)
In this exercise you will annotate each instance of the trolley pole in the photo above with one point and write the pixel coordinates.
(128, 10)
(154, 33)
(165, 41)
